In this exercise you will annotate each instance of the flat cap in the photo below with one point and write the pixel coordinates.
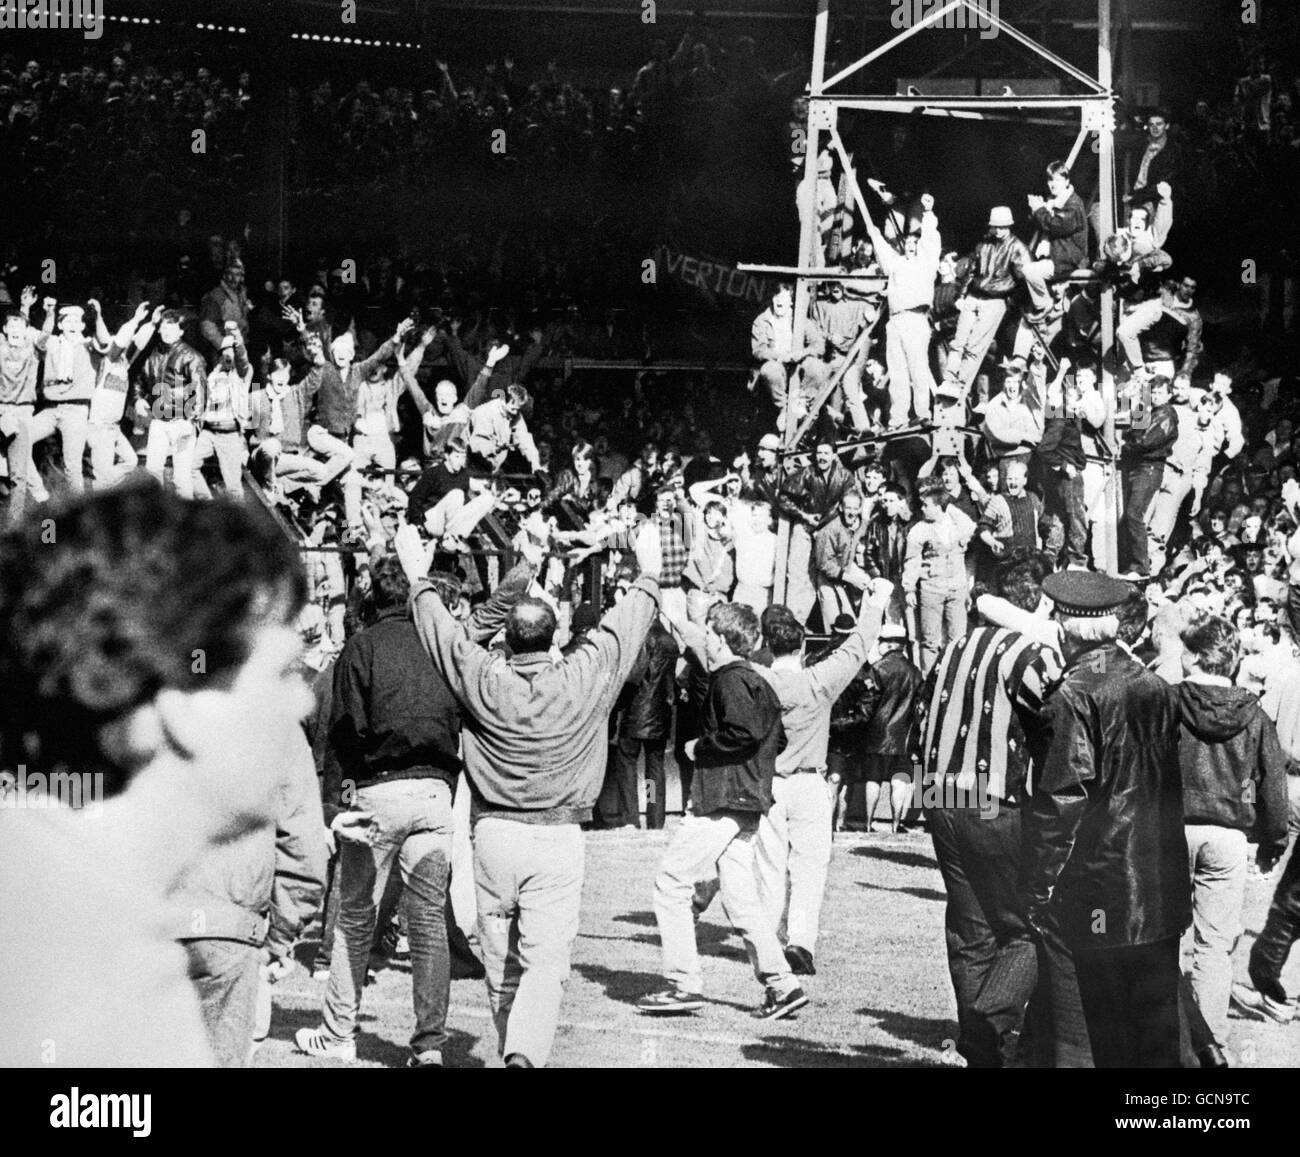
(843, 625)
(1084, 594)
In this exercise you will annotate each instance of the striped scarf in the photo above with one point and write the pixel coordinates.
(971, 710)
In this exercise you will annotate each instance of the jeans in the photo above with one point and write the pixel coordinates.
(1140, 487)
(225, 975)
(1067, 498)
(72, 421)
(412, 824)
(991, 955)
(773, 376)
(942, 618)
(16, 441)
(1163, 514)
(1281, 930)
(907, 358)
(173, 438)
(456, 515)
(792, 855)
(1218, 859)
(834, 600)
(1130, 1001)
(628, 810)
(529, 880)
(976, 328)
(721, 845)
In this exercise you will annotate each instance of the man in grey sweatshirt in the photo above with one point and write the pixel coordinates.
(535, 739)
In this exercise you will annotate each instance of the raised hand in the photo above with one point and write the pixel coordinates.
(28, 297)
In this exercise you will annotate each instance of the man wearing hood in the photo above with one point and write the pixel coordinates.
(1234, 791)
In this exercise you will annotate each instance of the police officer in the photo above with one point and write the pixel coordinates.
(1106, 857)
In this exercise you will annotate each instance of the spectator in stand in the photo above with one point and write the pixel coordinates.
(225, 415)
(497, 427)
(1147, 448)
(843, 320)
(1060, 241)
(19, 368)
(840, 581)
(934, 579)
(783, 349)
(226, 302)
(173, 397)
(112, 456)
(1161, 161)
(67, 385)
(1164, 334)
(910, 293)
(998, 264)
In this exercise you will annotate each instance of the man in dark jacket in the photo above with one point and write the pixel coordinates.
(998, 265)
(645, 721)
(735, 761)
(1234, 788)
(392, 762)
(888, 703)
(1145, 447)
(1106, 858)
(1060, 224)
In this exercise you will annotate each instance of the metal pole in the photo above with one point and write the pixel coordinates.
(808, 238)
(1109, 523)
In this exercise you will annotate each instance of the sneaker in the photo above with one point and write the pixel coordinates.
(776, 1007)
(426, 1060)
(316, 1042)
(1253, 1004)
(800, 960)
(672, 1002)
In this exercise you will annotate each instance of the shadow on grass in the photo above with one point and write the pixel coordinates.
(794, 1053)
(928, 1032)
(457, 1053)
(919, 893)
(626, 987)
(895, 856)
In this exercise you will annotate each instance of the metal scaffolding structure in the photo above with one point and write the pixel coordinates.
(1095, 107)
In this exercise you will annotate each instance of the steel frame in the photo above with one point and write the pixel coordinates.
(823, 108)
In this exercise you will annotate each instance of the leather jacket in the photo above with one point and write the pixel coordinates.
(176, 382)
(882, 562)
(894, 680)
(648, 707)
(1106, 855)
(998, 265)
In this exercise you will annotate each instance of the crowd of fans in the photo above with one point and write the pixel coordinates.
(883, 509)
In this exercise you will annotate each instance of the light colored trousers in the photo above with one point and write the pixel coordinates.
(941, 617)
(72, 421)
(529, 883)
(907, 358)
(755, 597)
(1218, 861)
(112, 457)
(793, 854)
(1164, 513)
(1140, 319)
(230, 453)
(16, 444)
(454, 514)
(339, 464)
(370, 450)
(976, 328)
(173, 438)
(718, 845)
(833, 598)
(799, 593)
